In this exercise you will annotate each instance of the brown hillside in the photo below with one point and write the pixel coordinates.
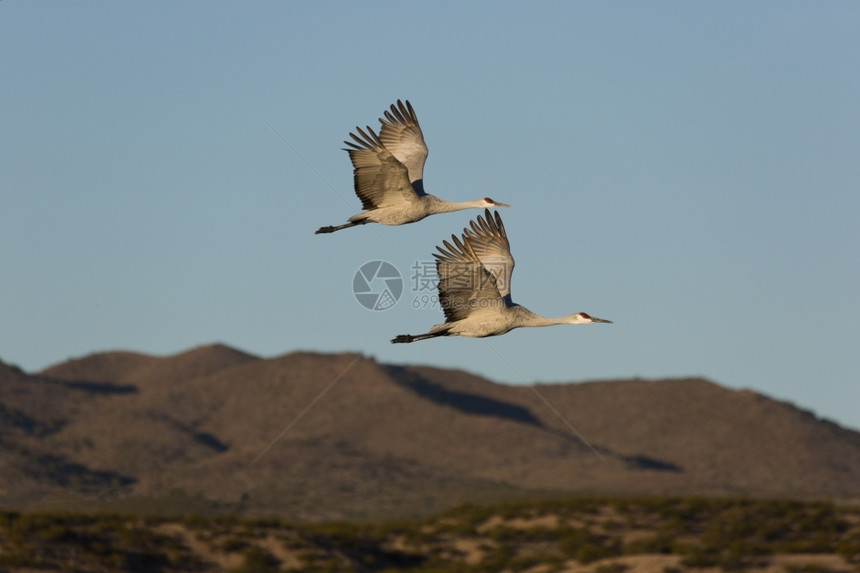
(100, 367)
(326, 436)
(122, 367)
(33, 411)
(721, 439)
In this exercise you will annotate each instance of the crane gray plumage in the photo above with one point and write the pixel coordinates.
(388, 173)
(475, 286)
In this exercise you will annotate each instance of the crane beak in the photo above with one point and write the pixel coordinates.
(600, 320)
(497, 204)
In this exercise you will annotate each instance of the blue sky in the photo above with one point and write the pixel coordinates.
(687, 170)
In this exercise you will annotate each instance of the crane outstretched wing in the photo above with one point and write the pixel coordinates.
(489, 241)
(402, 136)
(465, 285)
(380, 179)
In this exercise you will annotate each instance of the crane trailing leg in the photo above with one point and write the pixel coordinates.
(416, 337)
(333, 228)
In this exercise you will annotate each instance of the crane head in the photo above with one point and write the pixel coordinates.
(585, 318)
(490, 203)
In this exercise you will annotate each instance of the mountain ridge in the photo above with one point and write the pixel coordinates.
(328, 436)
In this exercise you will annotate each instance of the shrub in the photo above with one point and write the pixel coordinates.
(612, 568)
(585, 546)
(257, 560)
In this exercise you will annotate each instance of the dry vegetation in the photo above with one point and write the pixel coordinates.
(599, 535)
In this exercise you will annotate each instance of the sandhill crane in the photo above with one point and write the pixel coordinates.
(474, 286)
(389, 174)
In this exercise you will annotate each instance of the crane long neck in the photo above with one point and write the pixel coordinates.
(443, 206)
(549, 320)
(538, 320)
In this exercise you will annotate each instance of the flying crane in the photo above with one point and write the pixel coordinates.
(474, 286)
(388, 174)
